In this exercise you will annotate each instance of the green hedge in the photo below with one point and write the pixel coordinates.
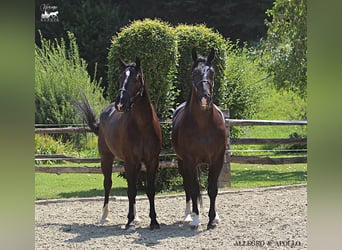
(203, 39)
(154, 42)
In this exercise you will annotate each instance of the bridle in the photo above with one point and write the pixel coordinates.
(211, 83)
(132, 99)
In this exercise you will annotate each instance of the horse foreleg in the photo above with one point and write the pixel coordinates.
(214, 172)
(187, 217)
(151, 191)
(131, 175)
(194, 191)
(106, 166)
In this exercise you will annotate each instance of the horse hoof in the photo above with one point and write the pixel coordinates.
(103, 221)
(211, 225)
(154, 226)
(129, 227)
(187, 218)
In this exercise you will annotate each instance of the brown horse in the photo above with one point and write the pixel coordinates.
(129, 131)
(199, 136)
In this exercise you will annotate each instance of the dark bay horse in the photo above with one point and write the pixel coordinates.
(199, 136)
(129, 131)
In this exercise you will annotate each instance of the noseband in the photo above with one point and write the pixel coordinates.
(133, 98)
(202, 81)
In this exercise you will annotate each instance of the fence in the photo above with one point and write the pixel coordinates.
(224, 179)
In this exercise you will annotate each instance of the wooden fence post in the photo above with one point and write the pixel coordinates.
(224, 178)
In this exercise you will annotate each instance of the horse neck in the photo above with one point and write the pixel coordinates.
(142, 110)
(201, 117)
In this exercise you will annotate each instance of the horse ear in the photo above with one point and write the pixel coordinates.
(137, 62)
(194, 54)
(211, 55)
(122, 63)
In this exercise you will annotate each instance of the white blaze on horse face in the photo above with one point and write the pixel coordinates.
(127, 73)
(205, 72)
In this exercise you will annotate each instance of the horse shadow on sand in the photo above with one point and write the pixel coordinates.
(141, 235)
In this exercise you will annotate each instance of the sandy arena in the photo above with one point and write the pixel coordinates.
(260, 218)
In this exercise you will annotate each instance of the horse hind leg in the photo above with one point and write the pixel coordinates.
(106, 166)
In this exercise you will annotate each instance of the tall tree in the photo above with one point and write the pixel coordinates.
(286, 45)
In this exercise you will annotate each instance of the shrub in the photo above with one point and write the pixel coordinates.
(45, 144)
(59, 75)
(203, 39)
(285, 48)
(243, 81)
(154, 42)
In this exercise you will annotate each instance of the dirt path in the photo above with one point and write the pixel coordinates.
(266, 218)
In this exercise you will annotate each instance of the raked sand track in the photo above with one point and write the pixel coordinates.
(260, 218)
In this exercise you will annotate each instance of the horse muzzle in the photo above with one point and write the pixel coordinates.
(122, 106)
(205, 102)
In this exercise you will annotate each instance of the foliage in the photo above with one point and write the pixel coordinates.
(45, 144)
(277, 105)
(59, 75)
(280, 105)
(202, 39)
(154, 42)
(167, 180)
(244, 80)
(92, 23)
(285, 48)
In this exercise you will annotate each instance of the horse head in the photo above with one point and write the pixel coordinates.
(131, 85)
(202, 74)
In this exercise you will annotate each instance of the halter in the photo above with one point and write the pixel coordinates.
(133, 98)
(200, 81)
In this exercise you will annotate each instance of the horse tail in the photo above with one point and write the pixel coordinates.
(87, 113)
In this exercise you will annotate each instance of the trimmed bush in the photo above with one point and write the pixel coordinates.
(59, 75)
(154, 42)
(203, 39)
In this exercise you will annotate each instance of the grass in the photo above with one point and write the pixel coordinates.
(248, 175)
(52, 186)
